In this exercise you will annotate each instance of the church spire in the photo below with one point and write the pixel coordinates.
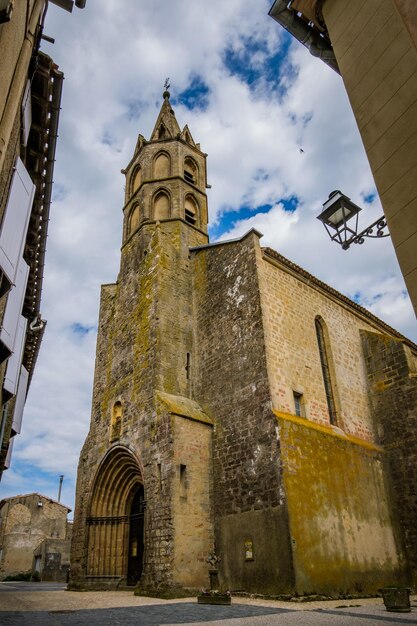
(166, 178)
(166, 126)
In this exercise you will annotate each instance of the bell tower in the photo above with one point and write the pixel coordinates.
(166, 178)
(145, 468)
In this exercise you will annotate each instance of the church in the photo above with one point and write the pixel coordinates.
(241, 407)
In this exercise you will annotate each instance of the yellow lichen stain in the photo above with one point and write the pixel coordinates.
(328, 430)
(141, 317)
(381, 385)
(340, 520)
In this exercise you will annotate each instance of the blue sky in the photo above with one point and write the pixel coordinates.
(279, 134)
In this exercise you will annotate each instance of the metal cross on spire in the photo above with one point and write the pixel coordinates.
(166, 84)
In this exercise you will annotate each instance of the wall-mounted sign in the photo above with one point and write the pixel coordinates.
(248, 550)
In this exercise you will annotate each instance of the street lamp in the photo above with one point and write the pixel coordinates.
(338, 210)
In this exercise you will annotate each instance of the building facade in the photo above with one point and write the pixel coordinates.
(30, 96)
(240, 405)
(373, 45)
(34, 537)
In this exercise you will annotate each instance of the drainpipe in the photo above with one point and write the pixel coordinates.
(317, 45)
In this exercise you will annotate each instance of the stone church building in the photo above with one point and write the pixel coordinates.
(240, 405)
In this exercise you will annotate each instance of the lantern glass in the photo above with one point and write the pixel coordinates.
(337, 210)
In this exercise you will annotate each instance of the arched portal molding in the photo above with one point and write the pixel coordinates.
(118, 472)
(109, 524)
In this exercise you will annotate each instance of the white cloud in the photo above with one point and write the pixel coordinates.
(115, 57)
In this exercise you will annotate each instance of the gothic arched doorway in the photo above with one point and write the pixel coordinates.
(116, 519)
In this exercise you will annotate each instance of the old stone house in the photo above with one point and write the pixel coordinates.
(239, 405)
(35, 536)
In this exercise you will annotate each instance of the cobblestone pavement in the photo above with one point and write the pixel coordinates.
(43, 604)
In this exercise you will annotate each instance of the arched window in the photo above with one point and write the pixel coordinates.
(116, 421)
(137, 180)
(190, 210)
(325, 360)
(190, 171)
(162, 132)
(161, 206)
(134, 219)
(161, 166)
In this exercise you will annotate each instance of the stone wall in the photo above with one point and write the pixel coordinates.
(342, 532)
(392, 376)
(125, 372)
(25, 522)
(331, 512)
(54, 559)
(145, 335)
(192, 501)
(232, 386)
(199, 343)
(290, 304)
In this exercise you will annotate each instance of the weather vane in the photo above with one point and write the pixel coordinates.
(166, 84)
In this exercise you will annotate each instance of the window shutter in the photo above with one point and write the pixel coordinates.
(15, 221)
(13, 311)
(11, 378)
(20, 400)
(26, 113)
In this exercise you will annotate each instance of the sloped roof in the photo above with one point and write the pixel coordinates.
(35, 494)
(167, 120)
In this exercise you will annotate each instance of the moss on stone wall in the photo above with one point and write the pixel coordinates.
(340, 519)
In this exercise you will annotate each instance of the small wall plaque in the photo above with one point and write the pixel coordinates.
(248, 550)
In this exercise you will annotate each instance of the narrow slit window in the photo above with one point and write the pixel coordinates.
(299, 404)
(325, 368)
(183, 481)
(159, 469)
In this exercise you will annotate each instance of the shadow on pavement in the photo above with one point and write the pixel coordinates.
(181, 613)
